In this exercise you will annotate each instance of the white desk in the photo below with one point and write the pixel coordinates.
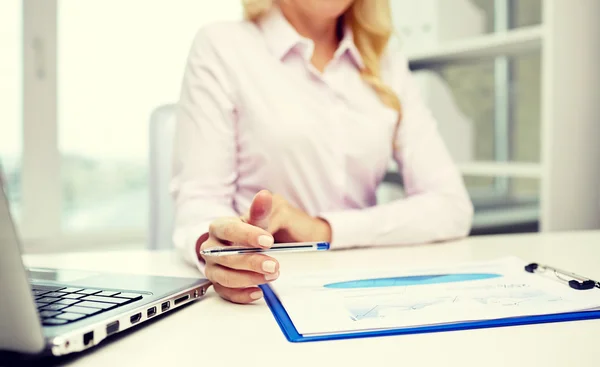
(213, 332)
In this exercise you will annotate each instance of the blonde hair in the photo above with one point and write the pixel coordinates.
(371, 26)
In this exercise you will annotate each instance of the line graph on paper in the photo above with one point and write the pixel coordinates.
(358, 313)
(406, 302)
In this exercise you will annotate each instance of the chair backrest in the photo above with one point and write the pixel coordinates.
(161, 135)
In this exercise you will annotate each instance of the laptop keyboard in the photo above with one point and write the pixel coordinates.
(62, 305)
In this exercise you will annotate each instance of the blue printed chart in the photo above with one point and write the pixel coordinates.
(413, 280)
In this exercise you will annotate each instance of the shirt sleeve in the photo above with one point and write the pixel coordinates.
(204, 162)
(436, 206)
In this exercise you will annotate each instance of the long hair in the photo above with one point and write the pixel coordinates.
(371, 25)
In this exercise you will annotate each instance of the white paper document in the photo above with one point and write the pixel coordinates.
(355, 301)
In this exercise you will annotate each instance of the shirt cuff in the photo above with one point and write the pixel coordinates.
(347, 228)
(185, 241)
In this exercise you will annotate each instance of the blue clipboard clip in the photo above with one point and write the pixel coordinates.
(571, 279)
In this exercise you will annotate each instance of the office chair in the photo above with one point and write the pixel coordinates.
(162, 132)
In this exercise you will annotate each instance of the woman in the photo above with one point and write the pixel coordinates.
(286, 124)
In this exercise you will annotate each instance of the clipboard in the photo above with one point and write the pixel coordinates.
(292, 335)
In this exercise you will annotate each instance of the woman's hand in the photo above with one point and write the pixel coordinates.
(270, 218)
(236, 277)
(290, 224)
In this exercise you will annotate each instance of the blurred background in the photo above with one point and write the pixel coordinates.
(82, 80)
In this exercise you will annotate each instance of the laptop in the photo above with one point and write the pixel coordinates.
(60, 311)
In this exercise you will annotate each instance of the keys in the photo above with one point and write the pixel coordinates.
(106, 293)
(83, 310)
(41, 304)
(38, 292)
(133, 296)
(55, 294)
(70, 316)
(50, 322)
(47, 299)
(105, 299)
(49, 288)
(90, 291)
(54, 307)
(49, 313)
(73, 295)
(100, 305)
(66, 301)
(71, 290)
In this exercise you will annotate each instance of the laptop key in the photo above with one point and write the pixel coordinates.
(70, 316)
(53, 322)
(55, 294)
(133, 296)
(106, 294)
(49, 313)
(41, 304)
(73, 296)
(71, 290)
(106, 299)
(82, 310)
(49, 288)
(90, 291)
(54, 307)
(101, 305)
(47, 299)
(38, 292)
(66, 301)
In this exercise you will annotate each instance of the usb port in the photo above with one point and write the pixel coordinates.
(181, 299)
(135, 318)
(151, 312)
(88, 338)
(112, 328)
(165, 306)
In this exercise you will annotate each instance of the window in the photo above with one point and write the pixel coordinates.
(10, 100)
(117, 62)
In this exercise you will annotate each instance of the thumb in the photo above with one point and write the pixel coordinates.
(260, 209)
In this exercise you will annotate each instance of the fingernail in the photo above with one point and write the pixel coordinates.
(265, 241)
(269, 266)
(272, 276)
(256, 295)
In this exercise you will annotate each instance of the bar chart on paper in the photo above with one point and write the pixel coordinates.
(337, 302)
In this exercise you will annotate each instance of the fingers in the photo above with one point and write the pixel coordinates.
(231, 278)
(260, 209)
(243, 296)
(237, 232)
(257, 263)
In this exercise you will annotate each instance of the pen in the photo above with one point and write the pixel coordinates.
(573, 280)
(279, 247)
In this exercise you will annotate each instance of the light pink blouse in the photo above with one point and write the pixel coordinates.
(255, 114)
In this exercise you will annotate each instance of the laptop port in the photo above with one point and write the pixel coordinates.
(112, 328)
(88, 338)
(135, 318)
(165, 306)
(151, 312)
(181, 299)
